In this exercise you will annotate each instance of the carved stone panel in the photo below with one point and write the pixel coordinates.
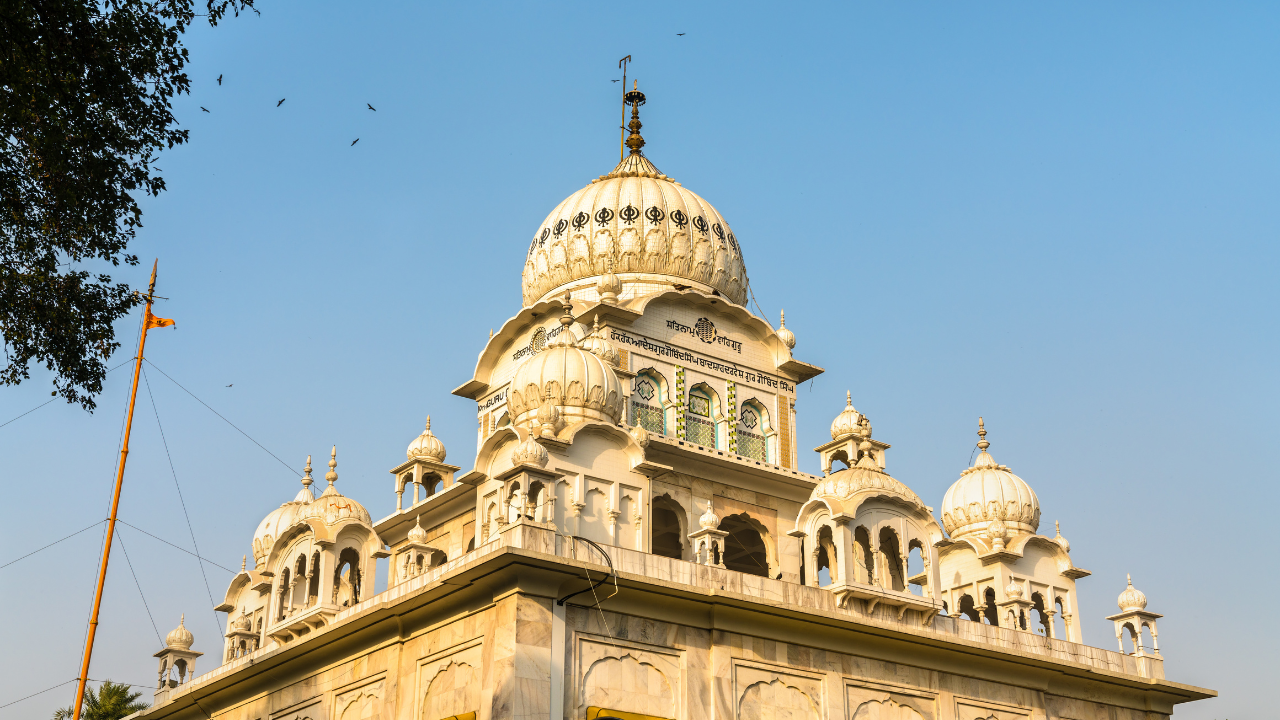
(888, 702)
(449, 683)
(361, 703)
(978, 710)
(309, 710)
(629, 678)
(767, 693)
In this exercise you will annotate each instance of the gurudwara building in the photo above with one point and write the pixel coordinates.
(634, 539)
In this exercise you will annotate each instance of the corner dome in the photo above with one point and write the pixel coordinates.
(989, 494)
(332, 507)
(1132, 598)
(278, 521)
(848, 422)
(426, 446)
(639, 224)
(180, 637)
(578, 384)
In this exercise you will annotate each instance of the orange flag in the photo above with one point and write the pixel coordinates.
(156, 322)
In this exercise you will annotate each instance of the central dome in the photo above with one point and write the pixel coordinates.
(641, 225)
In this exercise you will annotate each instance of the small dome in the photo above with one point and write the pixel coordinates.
(1132, 598)
(530, 452)
(1066, 546)
(709, 521)
(845, 488)
(281, 519)
(416, 533)
(848, 422)
(426, 446)
(1013, 590)
(597, 344)
(180, 638)
(332, 507)
(242, 623)
(988, 492)
(787, 337)
(582, 385)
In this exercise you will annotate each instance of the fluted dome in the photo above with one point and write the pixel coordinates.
(1132, 598)
(643, 226)
(426, 446)
(416, 533)
(281, 519)
(579, 384)
(530, 452)
(242, 623)
(844, 489)
(332, 507)
(848, 422)
(180, 637)
(988, 492)
(787, 337)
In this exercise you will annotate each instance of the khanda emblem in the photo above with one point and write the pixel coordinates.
(628, 214)
(719, 231)
(700, 223)
(560, 227)
(604, 216)
(579, 220)
(679, 218)
(655, 214)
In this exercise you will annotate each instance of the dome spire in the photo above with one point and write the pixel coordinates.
(636, 98)
(982, 436)
(332, 475)
(305, 495)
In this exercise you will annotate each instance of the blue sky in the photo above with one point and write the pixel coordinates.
(1059, 217)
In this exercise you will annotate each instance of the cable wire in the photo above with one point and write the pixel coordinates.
(179, 547)
(55, 687)
(46, 402)
(215, 412)
(190, 529)
(120, 539)
(55, 542)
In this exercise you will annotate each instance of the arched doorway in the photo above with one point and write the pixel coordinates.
(744, 548)
(666, 534)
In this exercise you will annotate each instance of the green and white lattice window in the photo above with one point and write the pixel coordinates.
(646, 406)
(751, 439)
(699, 427)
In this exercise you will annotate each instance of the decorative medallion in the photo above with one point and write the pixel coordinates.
(655, 214)
(699, 405)
(749, 418)
(580, 220)
(628, 214)
(705, 330)
(538, 342)
(604, 215)
(679, 218)
(719, 231)
(561, 226)
(701, 224)
(542, 239)
(644, 389)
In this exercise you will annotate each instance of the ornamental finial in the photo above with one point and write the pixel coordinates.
(306, 477)
(332, 475)
(848, 398)
(636, 98)
(982, 435)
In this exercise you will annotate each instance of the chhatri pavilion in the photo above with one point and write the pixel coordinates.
(634, 539)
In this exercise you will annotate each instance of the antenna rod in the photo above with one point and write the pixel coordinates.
(622, 140)
(149, 322)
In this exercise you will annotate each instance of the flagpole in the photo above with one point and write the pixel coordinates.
(115, 500)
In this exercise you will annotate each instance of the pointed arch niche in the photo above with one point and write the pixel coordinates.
(651, 406)
(756, 434)
(703, 417)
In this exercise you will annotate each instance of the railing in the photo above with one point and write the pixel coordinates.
(542, 538)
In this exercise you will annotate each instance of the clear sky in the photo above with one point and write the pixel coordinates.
(1061, 217)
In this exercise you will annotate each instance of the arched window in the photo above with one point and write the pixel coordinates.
(891, 549)
(432, 483)
(864, 556)
(1042, 615)
(346, 579)
(915, 565)
(744, 548)
(298, 598)
(284, 594)
(666, 530)
(313, 582)
(648, 402)
(699, 422)
(989, 612)
(826, 557)
(471, 544)
(1060, 620)
(968, 609)
(503, 421)
(753, 424)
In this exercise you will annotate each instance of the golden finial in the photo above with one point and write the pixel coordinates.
(848, 398)
(306, 477)
(982, 434)
(636, 99)
(332, 475)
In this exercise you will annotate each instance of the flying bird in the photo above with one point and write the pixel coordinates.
(231, 384)
(616, 81)
(353, 142)
(204, 108)
(678, 34)
(280, 103)
(372, 107)
(219, 79)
